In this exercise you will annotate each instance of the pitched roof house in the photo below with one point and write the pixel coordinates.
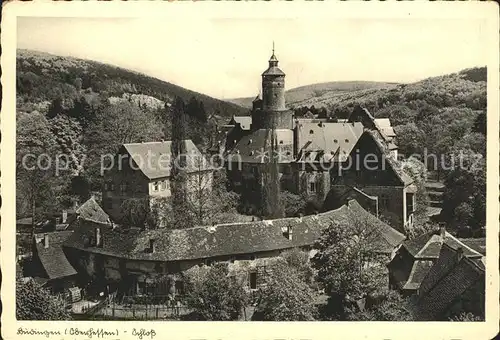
(453, 285)
(416, 257)
(50, 264)
(213, 241)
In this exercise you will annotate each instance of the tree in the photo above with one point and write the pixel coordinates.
(466, 317)
(113, 126)
(36, 182)
(135, 212)
(286, 296)
(410, 139)
(293, 204)
(348, 267)
(417, 171)
(35, 303)
(299, 260)
(389, 306)
(208, 199)
(480, 123)
(216, 296)
(179, 159)
(69, 137)
(270, 184)
(464, 198)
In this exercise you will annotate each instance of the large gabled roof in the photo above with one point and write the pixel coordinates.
(376, 136)
(255, 147)
(91, 210)
(53, 259)
(228, 239)
(447, 280)
(333, 141)
(153, 159)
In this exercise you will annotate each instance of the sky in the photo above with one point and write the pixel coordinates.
(224, 58)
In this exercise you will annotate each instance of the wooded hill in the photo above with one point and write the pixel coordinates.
(300, 94)
(42, 77)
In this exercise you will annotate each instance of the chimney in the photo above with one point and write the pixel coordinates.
(289, 232)
(64, 216)
(45, 241)
(460, 254)
(98, 241)
(152, 245)
(442, 230)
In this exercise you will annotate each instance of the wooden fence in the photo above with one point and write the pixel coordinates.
(142, 312)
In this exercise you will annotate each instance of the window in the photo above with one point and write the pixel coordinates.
(410, 203)
(155, 186)
(123, 187)
(384, 201)
(255, 171)
(311, 132)
(252, 278)
(281, 142)
(312, 187)
(335, 141)
(163, 185)
(347, 140)
(112, 186)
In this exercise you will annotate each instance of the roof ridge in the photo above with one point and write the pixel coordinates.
(463, 244)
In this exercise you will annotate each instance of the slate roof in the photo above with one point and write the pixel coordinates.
(252, 148)
(154, 158)
(331, 141)
(53, 259)
(92, 211)
(273, 71)
(384, 126)
(395, 165)
(478, 244)
(418, 272)
(228, 239)
(244, 121)
(450, 277)
(423, 251)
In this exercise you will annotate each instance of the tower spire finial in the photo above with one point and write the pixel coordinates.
(273, 46)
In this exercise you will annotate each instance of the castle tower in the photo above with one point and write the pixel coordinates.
(272, 111)
(273, 86)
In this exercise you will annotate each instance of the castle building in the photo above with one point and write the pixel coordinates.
(319, 158)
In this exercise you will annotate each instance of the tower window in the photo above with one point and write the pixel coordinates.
(281, 142)
(312, 187)
(335, 141)
(347, 140)
(311, 132)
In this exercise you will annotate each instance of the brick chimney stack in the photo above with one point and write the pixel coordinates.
(98, 240)
(442, 230)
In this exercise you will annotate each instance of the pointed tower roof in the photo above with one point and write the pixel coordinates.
(273, 69)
